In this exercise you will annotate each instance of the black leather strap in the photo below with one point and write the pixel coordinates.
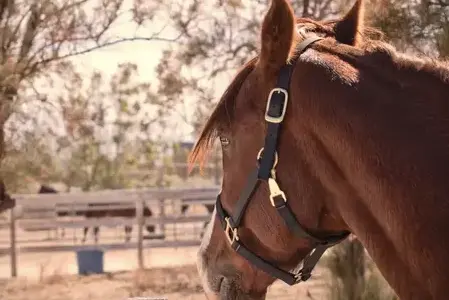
(275, 108)
(245, 196)
(290, 220)
(306, 43)
(259, 262)
(262, 264)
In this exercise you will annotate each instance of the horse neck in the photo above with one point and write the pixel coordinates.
(380, 146)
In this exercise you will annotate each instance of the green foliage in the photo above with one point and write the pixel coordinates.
(33, 159)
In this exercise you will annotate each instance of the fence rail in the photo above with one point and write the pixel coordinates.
(111, 196)
(111, 222)
(104, 247)
(40, 212)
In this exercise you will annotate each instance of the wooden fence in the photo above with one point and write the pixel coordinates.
(38, 212)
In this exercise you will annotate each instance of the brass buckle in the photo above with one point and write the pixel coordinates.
(273, 169)
(281, 117)
(276, 158)
(301, 276)
(275, 191)
(231, 231)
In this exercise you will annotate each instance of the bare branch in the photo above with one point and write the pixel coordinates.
(305, 9)
(3, 6)
(7, 42)
(30, 32)
(108, 44)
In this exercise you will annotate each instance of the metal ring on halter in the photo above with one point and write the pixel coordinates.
(259, 155)
(302, 31)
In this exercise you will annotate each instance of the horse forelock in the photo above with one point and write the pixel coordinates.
(222, 116)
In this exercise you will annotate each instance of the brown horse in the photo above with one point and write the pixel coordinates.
(363, 148)
(89, 214)
(209, 208)
(6, 202)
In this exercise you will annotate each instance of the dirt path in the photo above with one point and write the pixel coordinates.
(171, 273)
(38, 265)
(181, 283)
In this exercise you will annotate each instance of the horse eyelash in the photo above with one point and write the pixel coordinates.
(224, 141)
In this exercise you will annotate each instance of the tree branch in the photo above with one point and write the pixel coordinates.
(105, 45)
(7, 42)
(30, 33)
(305, 9)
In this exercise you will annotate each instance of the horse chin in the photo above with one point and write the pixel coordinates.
(231, 290)
(219, 287)
(216, 284)
(212, 296)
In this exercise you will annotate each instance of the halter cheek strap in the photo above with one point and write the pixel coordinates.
(266, 171)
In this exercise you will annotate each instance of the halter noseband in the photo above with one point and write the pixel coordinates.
(266, 171)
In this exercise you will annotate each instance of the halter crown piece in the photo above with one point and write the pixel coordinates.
(266, 171)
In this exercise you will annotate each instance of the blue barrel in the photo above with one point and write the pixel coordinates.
(89, 261)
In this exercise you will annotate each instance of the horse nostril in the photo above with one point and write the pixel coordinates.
(220, 284)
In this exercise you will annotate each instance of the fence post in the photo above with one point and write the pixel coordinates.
(160, 184)
(139, 215)
(162, 215)
(12, 237)
(73, 214)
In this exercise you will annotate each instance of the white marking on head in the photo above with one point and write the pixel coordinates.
(202, 270)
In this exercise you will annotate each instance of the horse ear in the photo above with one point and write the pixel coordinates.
(348, 29)
(277, 36)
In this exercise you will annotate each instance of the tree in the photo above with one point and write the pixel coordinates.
(37, 39)
(107, 127)
(30, 160)
(418, 26)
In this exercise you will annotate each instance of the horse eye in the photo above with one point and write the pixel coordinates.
(224, 141)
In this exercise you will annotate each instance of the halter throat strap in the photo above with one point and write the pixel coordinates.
(266, 171)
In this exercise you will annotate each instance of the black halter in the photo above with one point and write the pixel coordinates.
(274, 115)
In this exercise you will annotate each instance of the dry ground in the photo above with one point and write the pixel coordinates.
(177, 280)
(171, 283)
(169, 272)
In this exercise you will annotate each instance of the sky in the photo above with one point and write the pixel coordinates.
(146, 53)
